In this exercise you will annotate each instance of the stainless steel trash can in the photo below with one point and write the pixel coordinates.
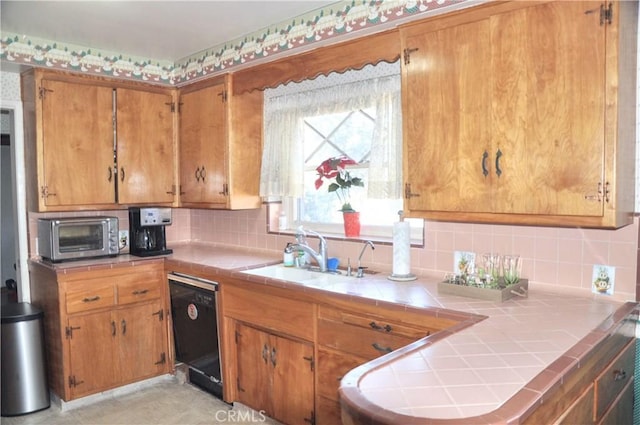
(24, 372)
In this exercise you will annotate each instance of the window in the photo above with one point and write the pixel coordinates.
(356, 114)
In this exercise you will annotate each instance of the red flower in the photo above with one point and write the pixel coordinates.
(336, 168)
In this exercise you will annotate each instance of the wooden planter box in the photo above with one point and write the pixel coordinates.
(520, 289)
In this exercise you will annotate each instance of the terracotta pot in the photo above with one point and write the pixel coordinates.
(351, 224)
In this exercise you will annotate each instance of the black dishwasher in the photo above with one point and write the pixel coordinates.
(195, 329)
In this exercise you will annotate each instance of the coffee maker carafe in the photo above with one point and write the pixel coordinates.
(147, 231)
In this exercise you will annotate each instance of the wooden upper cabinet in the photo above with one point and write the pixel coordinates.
(77, 145)
(84, 133)
(145, 154)
(220, 146)
(446, 117)
(517, 113)
(203, 152)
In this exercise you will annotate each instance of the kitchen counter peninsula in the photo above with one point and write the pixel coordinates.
(505, 363)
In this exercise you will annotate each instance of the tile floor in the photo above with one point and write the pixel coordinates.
(167, 402)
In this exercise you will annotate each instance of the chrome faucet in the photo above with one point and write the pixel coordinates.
(320, 256)
(360, 268)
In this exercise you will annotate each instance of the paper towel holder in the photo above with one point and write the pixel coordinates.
(401, 277)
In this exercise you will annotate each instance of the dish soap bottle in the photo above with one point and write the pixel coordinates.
(288, 256)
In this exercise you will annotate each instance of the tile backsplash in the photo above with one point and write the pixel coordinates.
(560, 257)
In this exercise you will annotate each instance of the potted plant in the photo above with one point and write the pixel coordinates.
(335, 169)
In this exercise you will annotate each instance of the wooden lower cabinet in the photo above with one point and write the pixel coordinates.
(275, 375)
(290, 351)
(352, 335)
(103, 328)
(600, 391)
(115, 347)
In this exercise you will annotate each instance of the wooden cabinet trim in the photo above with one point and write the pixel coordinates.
(340, 57)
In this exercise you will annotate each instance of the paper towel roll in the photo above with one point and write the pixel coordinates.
(401, 249)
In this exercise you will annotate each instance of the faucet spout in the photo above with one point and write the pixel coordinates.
(360, 268)
(319, 256)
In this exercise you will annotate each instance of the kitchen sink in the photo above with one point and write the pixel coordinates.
(305, 276)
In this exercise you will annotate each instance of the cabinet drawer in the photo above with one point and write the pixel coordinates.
(271, 312)
(364, 335)
(136, 288)
(613, 379)
(90, 297)
(379, 323)
(359, 341)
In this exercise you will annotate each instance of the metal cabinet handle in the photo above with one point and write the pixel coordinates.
(203, 173)
(122, 174)
(386, 328)
(110, 175)
(273, 356)
(485, 156)
(498, 156)
(91, 299)
(123, 323)
(198, 174)
(113, 328)
(381, 349)
(140, 292)
(265, 353)
(619, 375)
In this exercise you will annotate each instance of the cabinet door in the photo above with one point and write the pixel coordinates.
(504, 112)
(92, 340)
(254, 368)
(145, 147)
(332, 365)
(77, 149)
(447, 119)
(293, 372)
(548, 108)
(203, 137)
(141, 341)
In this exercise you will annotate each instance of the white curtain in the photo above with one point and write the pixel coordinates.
(287, 106)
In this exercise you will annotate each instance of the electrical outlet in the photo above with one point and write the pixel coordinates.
(123, 239)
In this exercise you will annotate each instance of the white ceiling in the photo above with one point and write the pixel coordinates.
(149, 29)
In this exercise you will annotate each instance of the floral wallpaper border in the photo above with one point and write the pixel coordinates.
(334, 21)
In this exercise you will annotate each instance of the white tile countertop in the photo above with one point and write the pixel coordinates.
(472, 372)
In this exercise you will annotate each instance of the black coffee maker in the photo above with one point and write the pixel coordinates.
(147, 231)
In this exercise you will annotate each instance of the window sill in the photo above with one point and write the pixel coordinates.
(380, 240)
